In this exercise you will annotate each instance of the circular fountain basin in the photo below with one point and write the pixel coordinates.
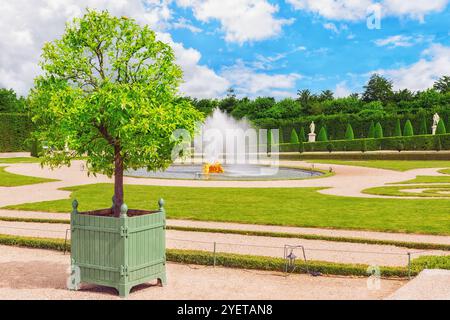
(232, 172)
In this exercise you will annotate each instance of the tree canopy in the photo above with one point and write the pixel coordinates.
(109, 92)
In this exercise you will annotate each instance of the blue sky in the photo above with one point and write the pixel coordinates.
(258, 47)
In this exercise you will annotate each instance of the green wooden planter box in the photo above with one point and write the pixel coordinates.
(118, 252)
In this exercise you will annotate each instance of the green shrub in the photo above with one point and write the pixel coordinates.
(371, 133)
(302, 135)
(378, 131)
(323, 136)
(438, 144)
(301, 147)
(400, 146)
(408, 130)
(423, 126)
(294, 136)
(397, 129)
(363, 145)
(330, 147)
(441, 127)
(349, 135)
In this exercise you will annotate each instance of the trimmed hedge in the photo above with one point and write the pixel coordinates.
(412, 143)
(15, 130)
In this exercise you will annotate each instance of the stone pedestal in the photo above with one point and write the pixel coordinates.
(311, 137)
(433, 129)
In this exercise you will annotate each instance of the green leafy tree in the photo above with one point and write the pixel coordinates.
(378, 131)
(442, 85)
(108, 92)
(9, 102)
(349, 135)
(441, 127)
(397, 129)
(294, 136)
(378, 88)
(371, 133)
(408, 130)
(423, 126)
(323, 135)
(326, 95)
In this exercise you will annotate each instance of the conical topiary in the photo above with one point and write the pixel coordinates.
(323, 136)
(294, 137)
(371, 133)
(423, 126)
(349, 135)
(301, 135)
(397, 129)
(441, 127)
(378, 131)
(408, 130)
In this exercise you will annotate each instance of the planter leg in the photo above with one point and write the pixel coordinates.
(123, 291)
(162, 280)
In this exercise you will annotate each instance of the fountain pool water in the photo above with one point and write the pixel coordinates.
(232, 145)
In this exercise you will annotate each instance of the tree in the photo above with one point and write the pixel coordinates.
(442, 85)
(326, 95)
(294, 137)
(397, 129)
(378, 131)
(423, 126)
(108, 92)
(408, 130)
(9, 101)
(371, 133)
(441, 127)
(349, 135)
(377, 88)
(230, 102)
(323, 136)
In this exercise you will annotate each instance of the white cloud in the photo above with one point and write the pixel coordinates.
(331, 26)
(395, 41)
(241, 20)
(43, 20)
(183, 23)
(342, 90)
(247, 82)
(355, 10)
(435, 62)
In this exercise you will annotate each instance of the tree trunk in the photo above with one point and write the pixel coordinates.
(118, 181)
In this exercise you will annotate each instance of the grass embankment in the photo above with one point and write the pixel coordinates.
(252, 262)
(14, 180)
(397, 165)
(302, 207)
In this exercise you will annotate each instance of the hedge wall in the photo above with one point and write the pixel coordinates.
(412, 143)
(336, 124)
(15, 129)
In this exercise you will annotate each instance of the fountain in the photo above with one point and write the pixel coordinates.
(229, 149)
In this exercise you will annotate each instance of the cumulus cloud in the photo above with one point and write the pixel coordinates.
(241, 20)
(342, 90)
(434, 63)
(248, 82)
(43, 20)
(354, 10)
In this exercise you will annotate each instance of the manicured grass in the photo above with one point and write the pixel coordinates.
(19, 160)
(431, 191)
(426, 179)
(13, 180)
(398, 165)
(276, 206)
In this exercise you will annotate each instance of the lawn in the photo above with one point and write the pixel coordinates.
(426, 179)
(14, 180)
(278, 206)
(398, 165)
(398, 191)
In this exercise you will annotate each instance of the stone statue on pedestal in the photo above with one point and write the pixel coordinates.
(436, 120)
(312, 135)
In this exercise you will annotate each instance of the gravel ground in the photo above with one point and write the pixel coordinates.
(253, 227)
(254, 245)
(41, 274)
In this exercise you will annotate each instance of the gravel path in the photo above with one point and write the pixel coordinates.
(41, 274)
(341, 252)
(267, 228)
